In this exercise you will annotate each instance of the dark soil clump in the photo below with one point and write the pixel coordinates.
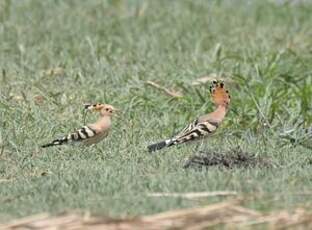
(234, 158)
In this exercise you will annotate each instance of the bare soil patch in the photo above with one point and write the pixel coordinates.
(234, 158)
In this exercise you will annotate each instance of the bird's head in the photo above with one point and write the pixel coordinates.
(104, 109)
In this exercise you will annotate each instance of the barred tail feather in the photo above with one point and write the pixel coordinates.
(47, 145)
(55, 142)
(160, 145)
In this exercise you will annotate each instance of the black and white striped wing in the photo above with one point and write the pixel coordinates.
(81, 134)
(196, 131)
(187, 129)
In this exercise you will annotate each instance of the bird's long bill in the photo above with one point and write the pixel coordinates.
(117, 112)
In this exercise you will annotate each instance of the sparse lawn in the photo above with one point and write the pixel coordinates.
(56, 55)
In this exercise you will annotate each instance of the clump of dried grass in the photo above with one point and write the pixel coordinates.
(228, 214)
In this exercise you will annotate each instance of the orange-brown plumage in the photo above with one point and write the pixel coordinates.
(205, 125)
(91, 133)
(220, 96)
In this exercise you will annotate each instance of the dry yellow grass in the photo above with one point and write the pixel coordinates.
(228, 214)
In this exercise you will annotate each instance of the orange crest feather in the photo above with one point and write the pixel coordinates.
(220, 96)
(94, 107)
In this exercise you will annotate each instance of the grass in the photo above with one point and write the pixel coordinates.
(56, 55)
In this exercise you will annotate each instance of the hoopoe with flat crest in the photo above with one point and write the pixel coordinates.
(205, 125)
(91, 133)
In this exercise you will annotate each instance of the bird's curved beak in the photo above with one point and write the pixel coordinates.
(117, 111)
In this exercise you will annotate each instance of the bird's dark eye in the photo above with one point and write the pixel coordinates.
(107, 109)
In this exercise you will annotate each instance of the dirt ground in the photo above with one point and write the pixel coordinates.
(234, 158)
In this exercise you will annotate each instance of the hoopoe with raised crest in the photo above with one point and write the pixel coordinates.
(91, 133)
(205, 125)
